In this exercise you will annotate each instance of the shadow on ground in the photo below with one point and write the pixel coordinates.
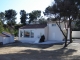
(59, 54)
(41, 46)
(41, 54)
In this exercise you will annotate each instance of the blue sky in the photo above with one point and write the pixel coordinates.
(27, 5)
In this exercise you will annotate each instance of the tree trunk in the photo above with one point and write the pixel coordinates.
(70, 31)
(63, 34)
(70, 35)
(65, 42)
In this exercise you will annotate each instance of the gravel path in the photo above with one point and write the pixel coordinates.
(19, 51)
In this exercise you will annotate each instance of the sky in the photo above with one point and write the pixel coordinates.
(27, 5)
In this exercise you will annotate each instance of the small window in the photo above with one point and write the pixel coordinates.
(26, 34)
(21, 34)
(53, 24)
(32, 34)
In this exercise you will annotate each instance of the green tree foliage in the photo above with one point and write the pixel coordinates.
(2, 17)
(77, 24)
(23, 17)
(64, 10)
(10, 16)
(1, 27)
(42, 20)
(34, 15)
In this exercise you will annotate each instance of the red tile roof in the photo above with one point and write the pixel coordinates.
(31, 26)
(3, 35)
(6, 33)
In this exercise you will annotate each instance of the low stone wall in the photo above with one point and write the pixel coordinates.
(75, 34)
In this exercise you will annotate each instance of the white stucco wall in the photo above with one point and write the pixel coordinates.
(37, 34)
(50, 32)
(46, 33)
(5, 40)
(54, 32)
(11, 38)
(75, 34)
(1, 39)
(63, 25)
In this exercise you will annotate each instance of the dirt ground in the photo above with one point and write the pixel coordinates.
(20, 51)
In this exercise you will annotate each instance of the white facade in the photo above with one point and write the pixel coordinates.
(11, 37)
(54, 32)
(51, 32)
(75, 34)
(37, 35)
(6, 38)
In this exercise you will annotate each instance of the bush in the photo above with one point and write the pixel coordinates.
(42, 38)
